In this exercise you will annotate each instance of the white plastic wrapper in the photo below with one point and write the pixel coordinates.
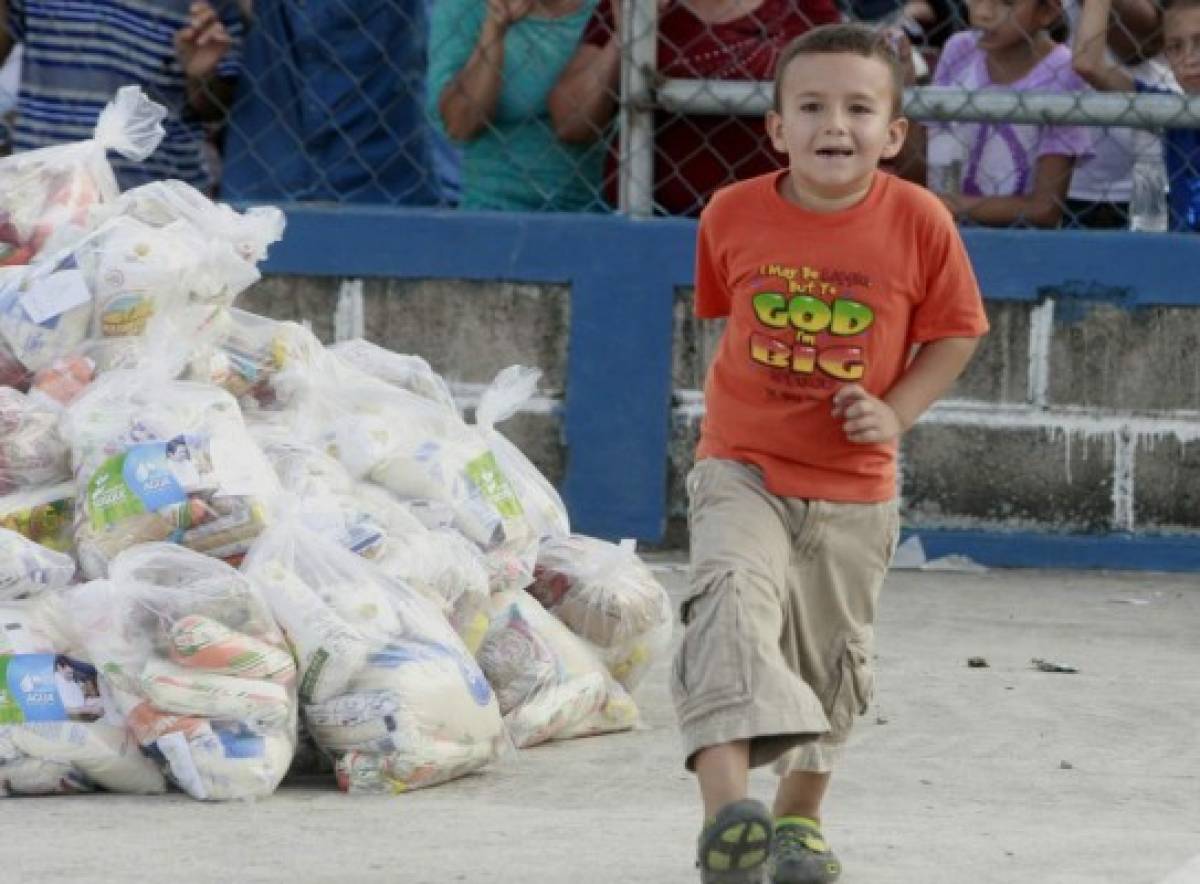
(198, 668)
(408, 372)
(387, 688)
(46, 198)
(550, 684)
(607, 596)
(162, 460)
(511, 389)
(43, 515)
(28, 569)
(59, 729)
(32, 451)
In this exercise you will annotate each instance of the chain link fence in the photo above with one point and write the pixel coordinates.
(642, 106)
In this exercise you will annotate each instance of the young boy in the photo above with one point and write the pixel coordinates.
(1181, 46)
(830, 272)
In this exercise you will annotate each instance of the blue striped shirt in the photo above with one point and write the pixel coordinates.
(78, 53)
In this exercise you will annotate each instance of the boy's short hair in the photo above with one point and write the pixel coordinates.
(846, 39)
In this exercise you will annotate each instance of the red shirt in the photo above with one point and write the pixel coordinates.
(816, 301)
(695, 155)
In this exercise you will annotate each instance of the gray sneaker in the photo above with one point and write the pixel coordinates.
(800, 855)
(733, 848)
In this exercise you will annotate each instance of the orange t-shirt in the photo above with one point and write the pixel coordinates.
(815, 301)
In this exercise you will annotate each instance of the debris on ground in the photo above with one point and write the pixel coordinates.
(1046, 666)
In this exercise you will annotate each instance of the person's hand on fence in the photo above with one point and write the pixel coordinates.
(867, 420)
(506, 12)
(202, 43)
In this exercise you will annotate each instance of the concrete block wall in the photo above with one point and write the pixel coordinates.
(1076, 417)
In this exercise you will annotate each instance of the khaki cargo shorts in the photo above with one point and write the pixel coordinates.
(778, 644)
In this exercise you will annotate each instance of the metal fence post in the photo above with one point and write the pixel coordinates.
(639, 60)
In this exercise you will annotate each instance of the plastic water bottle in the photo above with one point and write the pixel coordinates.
(1148, 203)
(945, 153)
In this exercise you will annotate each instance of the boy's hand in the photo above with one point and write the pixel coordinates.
(867, 420)
(202, 43)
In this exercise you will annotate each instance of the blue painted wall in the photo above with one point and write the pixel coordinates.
(623, 273)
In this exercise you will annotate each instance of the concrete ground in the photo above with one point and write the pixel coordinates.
(1000, 774)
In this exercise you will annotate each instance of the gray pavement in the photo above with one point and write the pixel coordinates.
(1001, 774)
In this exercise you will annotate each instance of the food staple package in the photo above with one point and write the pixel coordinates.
(263, 363)
(228, 244)
(159, 460)
(550, 684)
(607, 596)
(197, 666)
(425, 454)
(60, 732)
(387, 688)
(46, 201)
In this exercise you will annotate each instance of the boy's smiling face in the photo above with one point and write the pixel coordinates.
(1181, 45)
(835, 124)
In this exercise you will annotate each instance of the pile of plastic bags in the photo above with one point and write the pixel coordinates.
(221, 539)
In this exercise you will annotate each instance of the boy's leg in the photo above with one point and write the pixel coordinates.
(842, 555)
(739, 703)
(800, 794)
(723, 773)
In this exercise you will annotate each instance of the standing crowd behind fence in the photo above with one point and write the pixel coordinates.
(514, 105)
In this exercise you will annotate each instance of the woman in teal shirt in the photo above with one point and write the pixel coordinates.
(492, 63)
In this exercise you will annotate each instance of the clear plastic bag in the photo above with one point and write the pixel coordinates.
(549, 683)
(263, 363)
(234, 242)
(427, 455)
(408, 372)
(198, 668)
(388, 689)
(32, 451)
(59, 729)
(607, 596)
(543, 507)
(159, 460)
(28, 569)
(46, 195)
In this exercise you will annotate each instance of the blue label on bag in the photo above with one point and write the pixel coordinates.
(47, 687)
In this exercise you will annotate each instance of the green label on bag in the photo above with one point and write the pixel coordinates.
(494, 485)
(313, 674)
(10, 712)
(109, 498)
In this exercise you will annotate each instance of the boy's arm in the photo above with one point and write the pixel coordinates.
(1088, 55)
(931, 373)
(1042, 207)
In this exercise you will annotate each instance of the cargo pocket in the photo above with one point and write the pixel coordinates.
(856, 681)
(711, 670)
